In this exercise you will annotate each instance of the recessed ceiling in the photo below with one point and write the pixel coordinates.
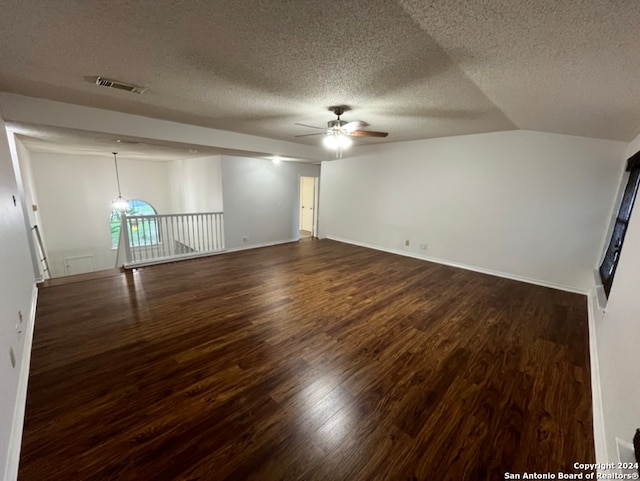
(412, 68)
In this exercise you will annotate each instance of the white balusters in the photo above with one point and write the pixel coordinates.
(163, 238)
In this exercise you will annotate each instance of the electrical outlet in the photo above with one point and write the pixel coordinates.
(406, 243)
(423, 246)
(245, 239)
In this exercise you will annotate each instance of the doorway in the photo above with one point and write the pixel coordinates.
(308, 207)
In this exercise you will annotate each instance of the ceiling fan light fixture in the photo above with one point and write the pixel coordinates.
(338, 134)
(344, 141)
(336, 140)
(330, 142)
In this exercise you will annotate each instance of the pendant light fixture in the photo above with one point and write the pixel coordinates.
(119, 203)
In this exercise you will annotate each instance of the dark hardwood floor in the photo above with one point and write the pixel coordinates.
(314, 361)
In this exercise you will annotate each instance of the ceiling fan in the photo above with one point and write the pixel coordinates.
(338, 132)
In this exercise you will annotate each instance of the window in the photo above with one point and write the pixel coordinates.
(612, 254)
(141, 233)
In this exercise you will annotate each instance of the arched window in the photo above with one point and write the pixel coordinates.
(140, 233)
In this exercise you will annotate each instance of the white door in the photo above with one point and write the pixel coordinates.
(307, 196)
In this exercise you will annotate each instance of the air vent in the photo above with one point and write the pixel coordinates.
(115, 84)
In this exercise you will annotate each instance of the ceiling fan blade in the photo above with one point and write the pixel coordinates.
(307, 135)
(310, 126)
(354, 125)
(367, 133)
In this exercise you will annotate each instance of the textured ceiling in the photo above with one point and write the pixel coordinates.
(413, 68)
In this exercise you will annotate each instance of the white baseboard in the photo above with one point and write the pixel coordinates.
(599, 438)
(207, 254)
(445, 262)
(166, 260)
(15, 440)
(264, 244)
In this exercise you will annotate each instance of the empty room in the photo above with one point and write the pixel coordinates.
(367, 240)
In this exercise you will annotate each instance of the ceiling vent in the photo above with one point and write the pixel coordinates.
(114, 84)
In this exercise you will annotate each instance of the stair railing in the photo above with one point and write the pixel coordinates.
(46, 272)
(150, 239)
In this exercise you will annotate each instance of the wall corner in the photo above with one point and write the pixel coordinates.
(595, 314)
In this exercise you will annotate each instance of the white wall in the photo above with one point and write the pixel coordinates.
(29, 198)
(634, 146)
(17, 293)
(524, 204)
(261, 200)
(617, 333)
(26, 172)
(75, 194)
(196, 185)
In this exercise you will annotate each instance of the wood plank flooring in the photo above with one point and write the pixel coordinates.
(313, 360)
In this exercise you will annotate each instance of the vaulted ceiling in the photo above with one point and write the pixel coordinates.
(416, 69)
